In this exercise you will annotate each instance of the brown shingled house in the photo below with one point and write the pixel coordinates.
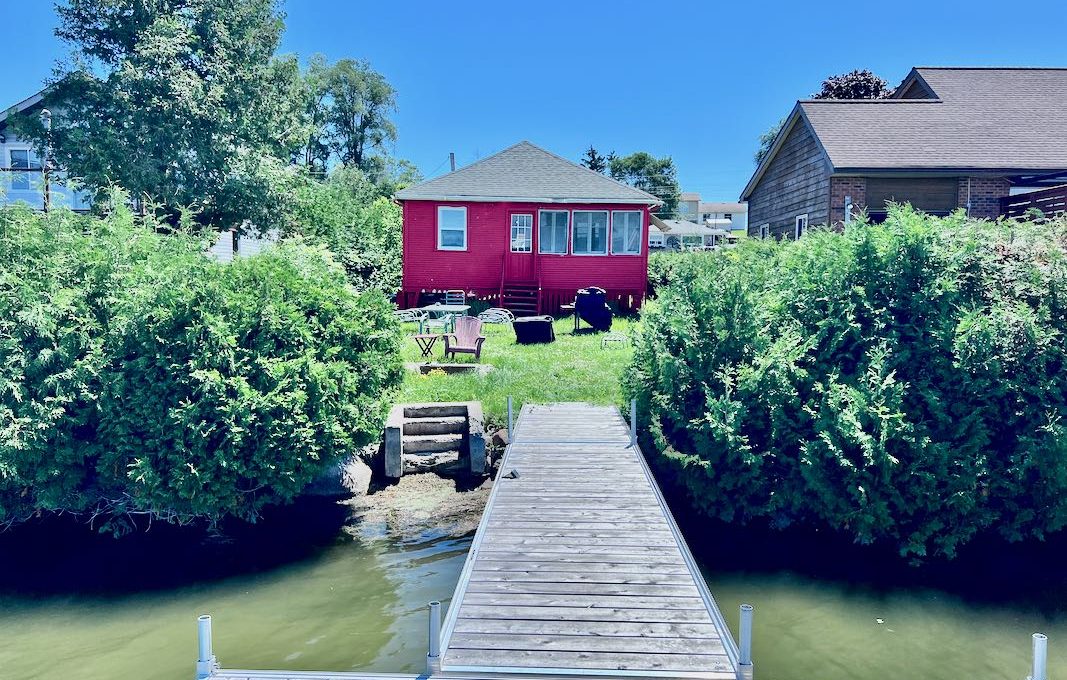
(948, 138)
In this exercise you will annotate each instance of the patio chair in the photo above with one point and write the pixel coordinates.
(466, 339)
(455, 297)
(410, 315)
(443, 324)
(497, 315)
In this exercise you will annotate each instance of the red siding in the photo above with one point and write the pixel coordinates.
(478, 269)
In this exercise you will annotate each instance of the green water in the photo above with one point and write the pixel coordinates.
(285, 596)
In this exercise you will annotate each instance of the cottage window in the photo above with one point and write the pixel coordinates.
(765, 231)
(552, 226)
(22, 159)
(626, 232)
(451, 228)
(590, 232)
(801, 226)
(521, 233)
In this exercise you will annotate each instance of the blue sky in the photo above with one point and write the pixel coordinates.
(698, 81)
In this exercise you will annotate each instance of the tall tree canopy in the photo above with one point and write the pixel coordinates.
(594, 161)
(644, 171)
(179, 101)
(854, 85)
(349, 107)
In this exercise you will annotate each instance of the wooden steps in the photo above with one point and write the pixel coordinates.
(521, 299)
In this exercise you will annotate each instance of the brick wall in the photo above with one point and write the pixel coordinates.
(856, 187)
(983, 193)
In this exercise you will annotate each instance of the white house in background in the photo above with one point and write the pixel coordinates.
(22, 177)
(22, 180)
(231, 244)
(729, 216)
(688, 207)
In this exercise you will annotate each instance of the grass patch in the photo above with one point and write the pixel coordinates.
(573, 368)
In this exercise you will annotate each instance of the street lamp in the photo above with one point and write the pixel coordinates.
(46, 119)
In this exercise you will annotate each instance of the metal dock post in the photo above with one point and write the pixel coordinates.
(744, 657)
(433, 655)
(205, 661)
(1040, 657)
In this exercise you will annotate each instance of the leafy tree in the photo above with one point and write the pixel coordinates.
(901, 384)
(177, 101)
(594, 161)
(346, 214)
(854, 85)
(139, 377)
(351, 104)
(766, 141)
(644, 171)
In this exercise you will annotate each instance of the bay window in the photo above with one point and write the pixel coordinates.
(590, 232)
(552, 232)
(626, 232)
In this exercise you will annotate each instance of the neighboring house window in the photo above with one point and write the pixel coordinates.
(727, 216)
(802, 225)
(626, 232)
(552, 227)
(765, 231)
(521, 233)
(22, 159)
(590, 232)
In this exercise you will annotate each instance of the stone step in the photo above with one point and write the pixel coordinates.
(441, 425)
(439, 462)
(432, 443)
(434, 410)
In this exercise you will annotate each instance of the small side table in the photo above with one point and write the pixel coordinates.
(570, 308)
(426, 341)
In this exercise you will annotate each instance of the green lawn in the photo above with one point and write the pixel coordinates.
(573, 368)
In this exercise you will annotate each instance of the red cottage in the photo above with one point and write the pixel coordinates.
(527, 227)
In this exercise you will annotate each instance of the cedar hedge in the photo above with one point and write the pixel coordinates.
(138, 376)
(903, 383)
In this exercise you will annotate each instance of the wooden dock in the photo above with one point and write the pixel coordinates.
(577, 568)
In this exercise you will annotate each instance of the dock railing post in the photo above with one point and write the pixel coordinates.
(433, 655)
(744, 660)
(205, 660)
(1040, 657)
(510, 425)
(633, 422)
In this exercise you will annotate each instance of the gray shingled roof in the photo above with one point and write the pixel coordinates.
(982, 118)
(525, 172)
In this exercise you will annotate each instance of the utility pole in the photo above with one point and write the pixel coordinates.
(46, 118)
(452, 160)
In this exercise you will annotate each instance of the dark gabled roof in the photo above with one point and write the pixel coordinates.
(1010, 120)
(525, 172)
(20, 107)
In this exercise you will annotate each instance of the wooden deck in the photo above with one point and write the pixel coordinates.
(578, 566)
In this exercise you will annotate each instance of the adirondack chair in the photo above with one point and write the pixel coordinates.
(467, 338)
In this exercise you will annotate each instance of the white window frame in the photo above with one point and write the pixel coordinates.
(640, 228)
(800, 225)
(459, 208)
(765, 231)
(22, 174)
(566, 233)
(607, 233)
(529, 233)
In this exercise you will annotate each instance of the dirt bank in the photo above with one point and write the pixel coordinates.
(418, 506)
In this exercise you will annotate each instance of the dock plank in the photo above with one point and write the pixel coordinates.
(578, 567)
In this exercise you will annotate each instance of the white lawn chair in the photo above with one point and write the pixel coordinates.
(410, 315)
(497, 315)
